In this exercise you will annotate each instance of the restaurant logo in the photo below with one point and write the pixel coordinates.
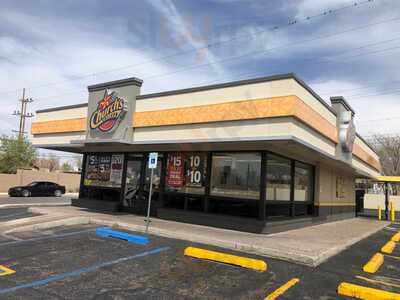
(110, 110)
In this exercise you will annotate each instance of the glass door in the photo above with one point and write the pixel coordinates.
(132, 185)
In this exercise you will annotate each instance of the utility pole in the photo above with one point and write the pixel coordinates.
(22, 114)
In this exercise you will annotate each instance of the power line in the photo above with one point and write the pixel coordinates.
(370, 86)
(282, 47)
(319, 61)
(380, 119)
(394, 92)
(327, 12)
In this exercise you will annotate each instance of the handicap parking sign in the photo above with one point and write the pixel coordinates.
(153, 160)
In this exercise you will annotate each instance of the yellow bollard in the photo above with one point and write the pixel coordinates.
(392, 210)
(379, 213)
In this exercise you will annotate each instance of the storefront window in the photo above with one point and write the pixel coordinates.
(156, 176)
(302, 182)
(186, 172)
(104, 170)
(278, 178)
(132, 184)
(236, 175)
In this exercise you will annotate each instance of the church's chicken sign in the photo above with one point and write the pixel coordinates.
(109, 112)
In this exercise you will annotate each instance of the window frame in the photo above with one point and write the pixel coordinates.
(210, 195)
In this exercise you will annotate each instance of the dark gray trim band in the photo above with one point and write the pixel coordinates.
(342, 100)
(115, 84)
(62, 107)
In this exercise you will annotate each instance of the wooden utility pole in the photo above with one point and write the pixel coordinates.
(22, 114)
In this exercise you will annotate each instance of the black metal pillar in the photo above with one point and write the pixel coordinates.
(83, 170)
(292, 174)
(263, 185)
(208, 182)
(163, 175)
(387, 200)
(123, 181)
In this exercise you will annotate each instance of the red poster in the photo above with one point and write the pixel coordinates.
(175, 174)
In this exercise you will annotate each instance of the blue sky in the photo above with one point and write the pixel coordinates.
(56, 48)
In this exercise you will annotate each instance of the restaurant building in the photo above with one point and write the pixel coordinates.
(246, 155)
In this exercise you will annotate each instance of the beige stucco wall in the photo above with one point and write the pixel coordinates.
(269, 89)
(69, 180)
(234, 130)
(57, 138)
(326, 193)
(65, 114)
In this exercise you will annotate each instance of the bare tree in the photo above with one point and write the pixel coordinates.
(388, 149)
(50, 162)
(78, 162)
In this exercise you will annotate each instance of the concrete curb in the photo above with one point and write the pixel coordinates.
(51, 224)
(11, 205)
(66, 194)
(251, 248)
(248, 248)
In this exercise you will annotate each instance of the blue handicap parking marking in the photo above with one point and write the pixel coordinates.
(131, 238)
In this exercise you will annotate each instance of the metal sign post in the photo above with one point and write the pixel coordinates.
(152, 165)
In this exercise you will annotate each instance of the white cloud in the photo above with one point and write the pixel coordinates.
(66, 52)
(177, 23)
(372, 113)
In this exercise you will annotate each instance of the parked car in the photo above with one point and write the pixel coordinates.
(37, 188)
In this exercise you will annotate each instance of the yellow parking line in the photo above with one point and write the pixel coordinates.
(374, 263)
(366, 293)
(5, 271)
(396, 237)
(282, 289)
(391, 256)
(388, 247)
(245, 262)
(378, 281)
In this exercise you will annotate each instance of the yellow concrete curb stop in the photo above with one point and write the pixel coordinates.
(5, 271)
(282, 289)
(374, 263)
(366, 293)
(245, 262)
(388, 247)
(396, 237)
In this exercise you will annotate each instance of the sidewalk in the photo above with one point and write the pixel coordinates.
(308, 246)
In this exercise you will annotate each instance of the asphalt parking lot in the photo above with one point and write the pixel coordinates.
(75, 263)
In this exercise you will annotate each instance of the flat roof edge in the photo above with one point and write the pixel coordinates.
(62, 107)
(115, 83)
(342, 100)
(200, 88)
(239, 83)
